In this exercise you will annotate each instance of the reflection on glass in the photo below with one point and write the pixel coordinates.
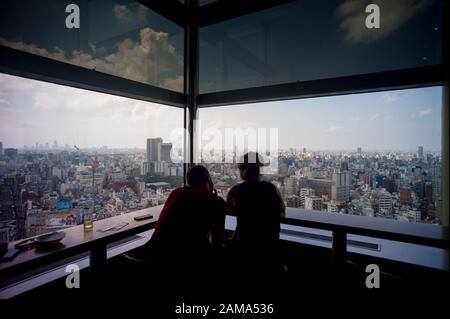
(308, 40)
(203, 2)
(122, 38)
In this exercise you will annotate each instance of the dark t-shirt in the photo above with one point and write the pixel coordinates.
(257, 206)
(188, 217)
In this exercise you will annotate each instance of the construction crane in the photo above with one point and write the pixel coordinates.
(94, 164)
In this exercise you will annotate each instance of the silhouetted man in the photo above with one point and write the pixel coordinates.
(181, 254)
(191, 222)
(193, 217)
(258, 208)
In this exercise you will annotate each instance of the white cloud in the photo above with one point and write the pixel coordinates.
(123, 14)
(4, 103)
(393, 14)
(128, 13)
(374, 116)
(333, 129)
(10, 84)
(390, 97)
(151, 60)
(81, 117)
(422, 113)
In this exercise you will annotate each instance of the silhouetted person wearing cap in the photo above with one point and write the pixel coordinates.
(258, 208)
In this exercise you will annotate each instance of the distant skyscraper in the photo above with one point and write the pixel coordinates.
(313, 203)
(420, 152)
(11, 153)
(154, 149)
(359, 150)
(305, 192)
(340, 188)
(405, 196)
(1, 148)
(291, 186)
(384, 199)
(166, 149)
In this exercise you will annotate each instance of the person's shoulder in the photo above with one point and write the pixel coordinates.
(215, 203)
(219, 201)
(215, 198)
(232, 191)
(180, 190)
(268, 185)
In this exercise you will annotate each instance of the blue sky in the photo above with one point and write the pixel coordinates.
(33, 111)
(140, 45)
(392, 120)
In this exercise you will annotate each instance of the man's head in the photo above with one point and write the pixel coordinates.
(249, 166)
(198, 177)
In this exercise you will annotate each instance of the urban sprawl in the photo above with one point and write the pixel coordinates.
(49, 187)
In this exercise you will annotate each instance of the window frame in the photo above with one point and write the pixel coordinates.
(192, 17)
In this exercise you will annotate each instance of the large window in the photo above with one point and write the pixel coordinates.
(64, 150)
(308, 40)
(122, 38)
(373, 154)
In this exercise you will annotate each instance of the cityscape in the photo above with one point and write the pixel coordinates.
(47, 187)
(399, 185)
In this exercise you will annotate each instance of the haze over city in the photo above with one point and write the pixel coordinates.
(33, 111)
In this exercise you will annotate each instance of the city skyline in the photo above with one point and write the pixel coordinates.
(33, 111)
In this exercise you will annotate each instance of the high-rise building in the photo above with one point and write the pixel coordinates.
(11, 153)
(321, 186)
(291, 186)
(384, 200)
(405, 196)
(154, 149)
(305, 192)
(340, 188)
(414, 215)
(1, 148)
(428, 191)
(293, 201)
(359, 150)
(166, 149)
(420, 152)
(333, 207)
(313, 203)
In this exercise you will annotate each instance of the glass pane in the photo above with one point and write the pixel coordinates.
(309, 40)
(122, 38)
(53, 138)
(374, 154)
(203, 2)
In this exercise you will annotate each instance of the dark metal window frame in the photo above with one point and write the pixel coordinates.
(16, 62)
(192, 17)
